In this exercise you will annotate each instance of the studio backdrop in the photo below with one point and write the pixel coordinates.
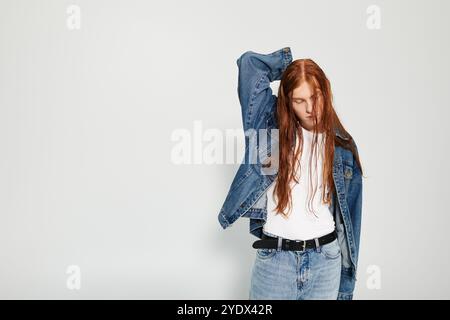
(121, 132)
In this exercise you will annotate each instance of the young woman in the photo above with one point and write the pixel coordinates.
(300, 183)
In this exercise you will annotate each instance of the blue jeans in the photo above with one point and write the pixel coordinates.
(313, 274)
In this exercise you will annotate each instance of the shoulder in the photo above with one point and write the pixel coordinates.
(346, 145)
(345, 154)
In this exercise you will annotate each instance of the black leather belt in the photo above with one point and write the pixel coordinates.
(268, 242)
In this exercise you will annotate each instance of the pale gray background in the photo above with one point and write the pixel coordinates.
(86, 117)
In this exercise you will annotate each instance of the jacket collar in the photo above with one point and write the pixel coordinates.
(340, 134)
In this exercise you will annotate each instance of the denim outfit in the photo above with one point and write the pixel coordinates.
(247, 196)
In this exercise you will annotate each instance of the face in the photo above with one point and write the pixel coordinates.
(303, 99)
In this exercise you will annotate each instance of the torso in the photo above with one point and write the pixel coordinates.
(302, 223)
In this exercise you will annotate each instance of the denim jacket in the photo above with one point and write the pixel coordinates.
(247, 196)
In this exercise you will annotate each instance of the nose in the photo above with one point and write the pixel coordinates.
(309, 107)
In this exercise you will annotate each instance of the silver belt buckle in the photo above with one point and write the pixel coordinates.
(304, 244)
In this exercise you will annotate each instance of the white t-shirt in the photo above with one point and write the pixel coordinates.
(302, 224)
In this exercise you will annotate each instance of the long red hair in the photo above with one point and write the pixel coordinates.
(299, 71)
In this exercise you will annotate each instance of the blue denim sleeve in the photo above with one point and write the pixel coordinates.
(256, 71)
(354, 200)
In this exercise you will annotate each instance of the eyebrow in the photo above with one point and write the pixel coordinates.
(297, 98)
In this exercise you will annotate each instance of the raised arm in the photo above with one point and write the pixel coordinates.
(256, 71)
